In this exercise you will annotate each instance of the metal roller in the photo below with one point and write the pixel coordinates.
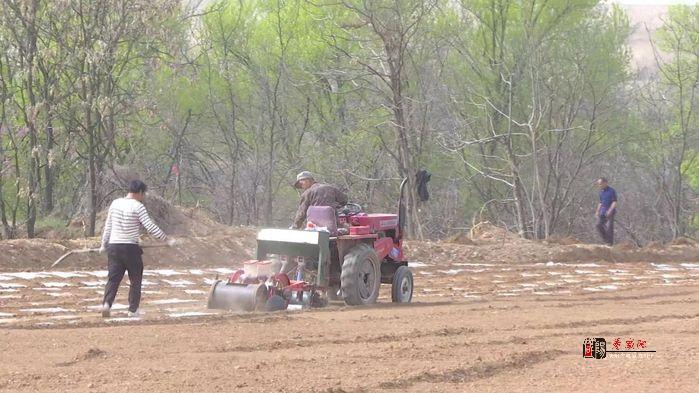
(237, 297)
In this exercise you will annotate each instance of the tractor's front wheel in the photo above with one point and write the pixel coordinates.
(361, 276)
(402, 287)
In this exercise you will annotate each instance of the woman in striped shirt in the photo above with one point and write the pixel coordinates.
(121, 241)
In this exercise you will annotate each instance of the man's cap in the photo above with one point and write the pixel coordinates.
(301, 176)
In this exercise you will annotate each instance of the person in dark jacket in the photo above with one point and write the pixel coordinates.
(606, 209)
(315, 194)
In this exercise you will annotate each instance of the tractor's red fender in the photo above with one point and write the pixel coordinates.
(383, 247)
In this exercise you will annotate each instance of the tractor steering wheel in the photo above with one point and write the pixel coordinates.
(351, 209)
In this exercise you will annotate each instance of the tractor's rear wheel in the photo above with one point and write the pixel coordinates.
(402, 287)
(361, 276)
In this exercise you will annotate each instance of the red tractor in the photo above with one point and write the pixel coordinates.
(343, 255)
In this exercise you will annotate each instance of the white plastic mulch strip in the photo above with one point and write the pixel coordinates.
(602, 288)
(172, 301)
(178, 283)
(69, 316)
(165, 272)
(6, 314)
(195, 292)
(56, 284)
(196, 272)
(57, 294)
(690, 265)
(7, 320)
(11, 285)
(92, 283)
(223, 270)
(98, 273)
(67, 274)
(28, 275)
(672, 276)
(123, 319)
(663, 266)
(46, 310)
(189, 314)
(5, 278)
(115, 306)
(551, 263)
(451, 272)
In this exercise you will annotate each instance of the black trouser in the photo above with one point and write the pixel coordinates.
(605, 227)
(124, 258)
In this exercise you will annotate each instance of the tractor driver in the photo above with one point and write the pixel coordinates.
(315, 194)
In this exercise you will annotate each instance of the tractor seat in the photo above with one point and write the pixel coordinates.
(323, 216)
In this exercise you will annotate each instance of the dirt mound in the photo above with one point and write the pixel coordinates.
(625, 245)
(654, 245)
(459, 238)
(683, 241)
(174, 220)
(565, 241)
(489, 232)
(181, 221)
(226, 247)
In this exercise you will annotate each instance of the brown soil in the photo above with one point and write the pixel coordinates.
(683, 241)
(566, 241)
(459, 238)
(493, 346)
(172, 219)
(496, 245)
(625, 245)
(503, 314)
(228, 245)
(654, 245)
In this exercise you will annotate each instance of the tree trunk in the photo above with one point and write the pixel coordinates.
(92, 184)
(269, 182)
(48, 170)
(30, 118)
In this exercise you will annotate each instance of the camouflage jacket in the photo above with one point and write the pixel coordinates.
(318, 194)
